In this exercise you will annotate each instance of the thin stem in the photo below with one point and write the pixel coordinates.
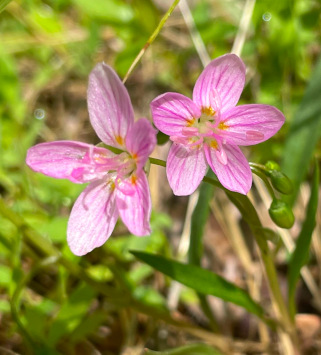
(195, 35)
(151, 39)
(263, 177)
(243, 27)
(249, 213)
(157, 162)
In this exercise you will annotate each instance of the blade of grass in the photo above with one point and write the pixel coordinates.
(195, 250)
(192, 349)
(3, 4)
(301, 252)
(304, 133)
(203, 281)
(151, 38)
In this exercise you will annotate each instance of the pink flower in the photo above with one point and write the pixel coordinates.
(118, 183)
(210, 128)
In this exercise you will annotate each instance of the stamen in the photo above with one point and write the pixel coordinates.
(193, 143)
(180, 140)
(222, 126)
(190, 122)
(209, 111)
(214, 144)
(254, 135)
(133, 179)
(221, 156)
(189, 131)
(119, 140)
(126, 186)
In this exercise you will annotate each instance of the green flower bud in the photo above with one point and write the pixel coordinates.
(281, 182)
(281, 214)
(272, 165)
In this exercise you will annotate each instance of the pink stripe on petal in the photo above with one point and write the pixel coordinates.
(141, 141)
(135, 208)
(76, 161)
(110, 109)
(172, 112)
(225, 77)
(251, 124)
(185, 169)
(92, 219)
(236, 174)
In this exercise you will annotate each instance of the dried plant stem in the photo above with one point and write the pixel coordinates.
(232, 230)
(175, 288)
(151, 38)
(243, 27)
(196, 37)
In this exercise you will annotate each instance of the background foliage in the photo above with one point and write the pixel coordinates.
(108, 302)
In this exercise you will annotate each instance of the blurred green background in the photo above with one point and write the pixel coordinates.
(72, 305)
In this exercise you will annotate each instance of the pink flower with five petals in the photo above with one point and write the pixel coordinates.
(209, 128)
(118, 184)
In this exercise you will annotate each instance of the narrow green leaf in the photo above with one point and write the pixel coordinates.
(3, 4)
(198, 222)
(201, 280)
(195, 250)
(192, 349)
(304, 133)
(301, 252)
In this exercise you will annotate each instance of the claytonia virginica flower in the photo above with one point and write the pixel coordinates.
(118, 184)
(209, 128)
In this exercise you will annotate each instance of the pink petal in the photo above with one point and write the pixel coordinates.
(235, 174)
(110, 109)
(141, 141)
(76, 161)
(92, 218)
(185, 169)
(171, 112)
(251, 124)
(135, 208)
(225, 77)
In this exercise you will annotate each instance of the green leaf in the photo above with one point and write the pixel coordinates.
(113, 11)
(35, 316)
(304, 133)
(71, 313)
(5, 275)
(198, 222)
(202, 281)
(88, 326)
(192, 349)
(149, 296)
(3, 4)
(195, 250)
(301, 253)
(4, 306)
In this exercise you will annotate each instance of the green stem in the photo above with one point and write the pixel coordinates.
(151, 39)
(263, 177)
(249, 213)
(157, 162)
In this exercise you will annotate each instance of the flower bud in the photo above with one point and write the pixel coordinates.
(281, 214)
(272, 165)
(281, 182)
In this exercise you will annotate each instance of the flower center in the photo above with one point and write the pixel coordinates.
(203, 129)
(127, 165)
